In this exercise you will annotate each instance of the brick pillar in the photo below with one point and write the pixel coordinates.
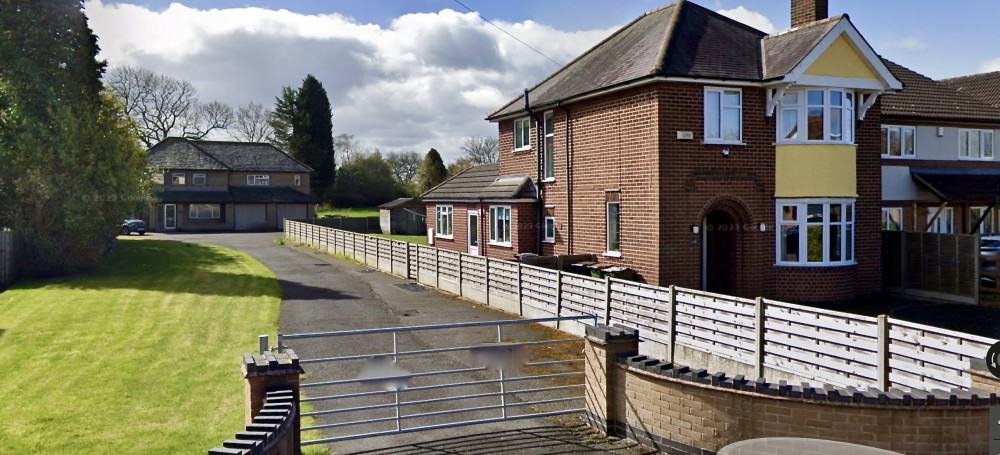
(267, 373)
(604, 395)
(982, 379)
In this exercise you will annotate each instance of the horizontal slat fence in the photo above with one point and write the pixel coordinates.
(830, 346)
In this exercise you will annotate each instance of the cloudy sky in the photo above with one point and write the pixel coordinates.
(415, 74)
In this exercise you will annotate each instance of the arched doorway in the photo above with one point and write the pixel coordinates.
(719, 252)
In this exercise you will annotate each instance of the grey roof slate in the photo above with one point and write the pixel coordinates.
(401, 202)
(184, 153)
(179, 153)
(482, 182)
(924, 98)
(784, 51)
(985, 86)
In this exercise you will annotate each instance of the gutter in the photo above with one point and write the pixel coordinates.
(539, 225)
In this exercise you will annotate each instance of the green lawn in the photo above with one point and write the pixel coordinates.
(141, 356)
(359, 212)
(418, 239)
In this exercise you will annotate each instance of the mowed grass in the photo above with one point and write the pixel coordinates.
(141, 356)
(357, 212)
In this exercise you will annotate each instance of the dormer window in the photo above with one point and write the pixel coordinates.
(817, 115)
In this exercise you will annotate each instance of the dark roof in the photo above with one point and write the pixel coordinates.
(784, 51)
(183, 153)
(925, 98)
(985, 86)
(245, 194)
(960, 184)
(401, 202)
(482, 182)
(682, 39)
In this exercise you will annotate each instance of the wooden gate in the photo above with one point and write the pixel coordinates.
(923, 264)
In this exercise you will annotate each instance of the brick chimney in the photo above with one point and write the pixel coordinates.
(807, 11)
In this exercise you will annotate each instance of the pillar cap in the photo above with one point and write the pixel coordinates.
(271, 364)
(612, 334)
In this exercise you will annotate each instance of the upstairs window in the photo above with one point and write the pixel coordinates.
(178, 178)
(550, 148)
(723, 116)
(975, 144)
(899, 141)
(297, 180)
(198, 179)
(258, 180)
(819, 115)
(522, 134)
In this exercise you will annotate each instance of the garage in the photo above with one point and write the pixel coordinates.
(292, 212)
(251, 217)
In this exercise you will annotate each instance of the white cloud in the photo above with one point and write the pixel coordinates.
(751, 18)
(989, 66)
(427, 80)
(910, 43)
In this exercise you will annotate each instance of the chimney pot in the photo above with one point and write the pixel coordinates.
(808, 11)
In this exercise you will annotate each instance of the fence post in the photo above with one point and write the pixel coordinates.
(882, 380)
(607, 300)
(758, 366)
(672, 324)
(487, 281)
(460, 274)
(437, 268)
(378, 254)
(407, 245)
(520, 299)
(418, 262)
(558, 295)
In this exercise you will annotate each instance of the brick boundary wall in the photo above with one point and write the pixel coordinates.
(272, 407)
(680, 410)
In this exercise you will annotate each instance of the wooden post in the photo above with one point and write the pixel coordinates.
(882, 378)
(558, 295)
(520, 299)
(607, 300)
(672, 325)
(759, 340)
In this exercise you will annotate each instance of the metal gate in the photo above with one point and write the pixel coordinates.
(396, 381)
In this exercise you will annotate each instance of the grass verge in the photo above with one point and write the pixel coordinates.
(355, 212)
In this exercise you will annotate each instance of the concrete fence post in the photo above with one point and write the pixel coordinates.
(460, 274)
(487, 281)
(607, 300)
(558, 295)
(672, 324)
(604, 380)
(520, 294)
(437, 268)
(882, 379)
(758, 364)
(271, 372)
(407, 245)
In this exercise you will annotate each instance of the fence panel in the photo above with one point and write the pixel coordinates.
(582, 295)
(641, 306)
(538, 288)
(926, 357)
(719, 324)
(414, 264)
(398, 253)
(474, 271)
(448, 265)
(503, 278)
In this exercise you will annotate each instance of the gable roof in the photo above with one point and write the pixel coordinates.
(184, 153)
(925, 98)
(985, 86)
(482, 182)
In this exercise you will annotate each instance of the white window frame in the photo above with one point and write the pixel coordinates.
(549, 147)
(500, 225)
(721, 109)
(848, 108)
(297, 180)
(522, 134)
(607, 228)
(984, 152)
(258, 179)
(444, 222)
(902, 129)
(947, 216)
(549, 221)
(847, 223)
(178, 178)
(214, 211)
(987, 226)
(196, 177)
(887, 215)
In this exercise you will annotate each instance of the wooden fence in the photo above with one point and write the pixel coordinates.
(767, 336)
(942, 266)
(6, 258)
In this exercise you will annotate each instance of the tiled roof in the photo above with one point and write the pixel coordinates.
(401, 202)
(925, 98)
(985, 86)
(960, 184)
(183, 153)
(179, 153)
(482, 182)
(784, 51)
(245, 194)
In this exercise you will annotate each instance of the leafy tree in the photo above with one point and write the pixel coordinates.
(404, 166)
(72, 167)
(303, 128)
(252, 123)
(432, 171)
(482, 149)
(365, 181)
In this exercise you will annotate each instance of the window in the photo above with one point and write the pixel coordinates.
(550, 230)
(944, 223)
(198, 179)
(178, 178)
(522, 134)
(205, 211)
(899, 141)
(987, 225)
(826, 114)
(614, 227)
(500, 225)
(723, 116)
(444, 221)
(258, 180)
(297, 179)
(892, 219)
(815, 232)
(975, 144)
(158, 177)
(550, 152)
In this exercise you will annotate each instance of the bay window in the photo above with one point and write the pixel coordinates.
(444, 220)
(827, 115)
(815, 232)
(500, 225)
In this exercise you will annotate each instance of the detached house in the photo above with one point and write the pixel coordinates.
(704, 153)
(225, 186)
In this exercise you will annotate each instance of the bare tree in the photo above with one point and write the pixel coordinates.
(252, 123)
(460, 165)
(347, 148)
(404, 165)
(482, 149)
(203, 119)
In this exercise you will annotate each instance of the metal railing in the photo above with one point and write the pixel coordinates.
(503, 397)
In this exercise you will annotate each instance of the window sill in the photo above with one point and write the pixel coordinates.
(815, 143)
(548, 240)
(548, 180)
(718, 142)
(815, 264)
(612, 254)
(522, 149)
(966, 158)
(504, 245)
(445, 237)
(890, 157)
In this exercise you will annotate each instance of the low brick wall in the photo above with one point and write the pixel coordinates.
(680, 410)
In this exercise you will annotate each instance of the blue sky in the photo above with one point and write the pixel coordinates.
(415, 74)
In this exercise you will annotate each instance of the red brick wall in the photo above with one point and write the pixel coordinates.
(522, 235)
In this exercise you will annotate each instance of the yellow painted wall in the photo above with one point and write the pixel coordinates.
(815, 170)
(842, 59)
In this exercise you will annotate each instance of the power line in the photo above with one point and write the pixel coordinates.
(508, 33)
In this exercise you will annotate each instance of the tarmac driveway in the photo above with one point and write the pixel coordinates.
(323, 293)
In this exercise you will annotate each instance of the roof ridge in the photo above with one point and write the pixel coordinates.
(968, 76)
(809, 25)
(661, 55)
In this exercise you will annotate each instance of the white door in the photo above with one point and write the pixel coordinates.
(169, 216)
(474, 233)
(251, 217)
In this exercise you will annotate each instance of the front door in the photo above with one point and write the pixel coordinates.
(719, 255)
(474, 233)
(169, 216)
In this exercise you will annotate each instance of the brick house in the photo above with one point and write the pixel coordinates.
(704, 153)
(940, 172)
(226, 186)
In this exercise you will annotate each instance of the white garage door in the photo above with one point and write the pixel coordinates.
(292, 212)
(251, 217)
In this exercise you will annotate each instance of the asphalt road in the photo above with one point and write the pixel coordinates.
(322, 293)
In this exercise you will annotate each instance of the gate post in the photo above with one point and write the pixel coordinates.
(267, 373)
(605, 385)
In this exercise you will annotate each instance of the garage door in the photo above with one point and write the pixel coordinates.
(292, 212)
(251, 217)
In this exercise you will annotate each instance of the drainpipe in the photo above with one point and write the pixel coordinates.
(539, 225)
(569, 187)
